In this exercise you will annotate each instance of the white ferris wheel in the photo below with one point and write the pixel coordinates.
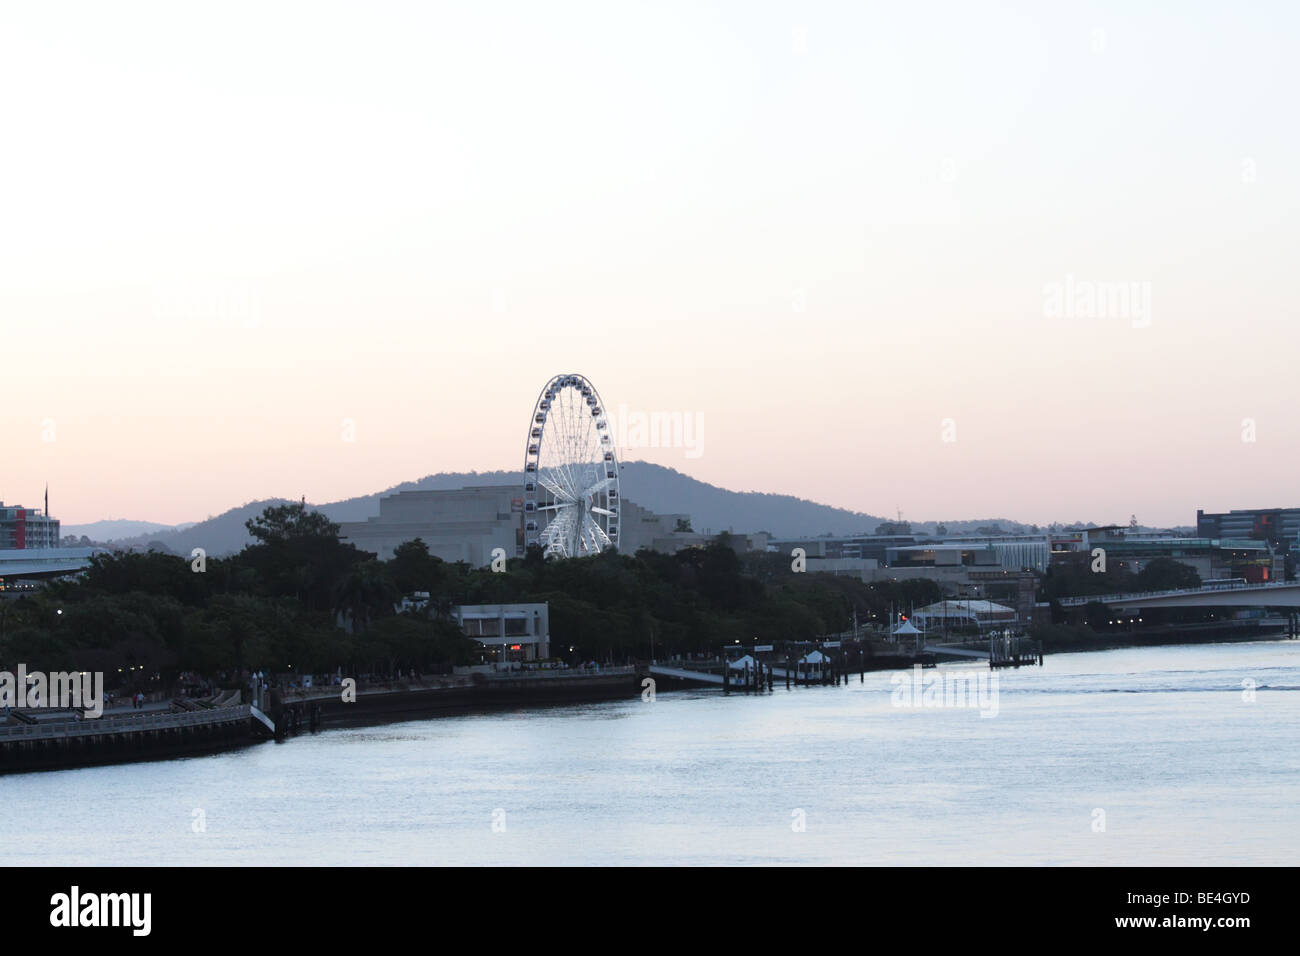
(570, 472)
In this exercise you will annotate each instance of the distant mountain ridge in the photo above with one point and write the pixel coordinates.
(658, 488)
(113, 529)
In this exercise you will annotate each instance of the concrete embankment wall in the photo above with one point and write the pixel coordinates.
(407, 702)
(123, 739)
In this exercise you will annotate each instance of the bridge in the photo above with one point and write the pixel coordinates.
(956, 651)
(1284, 594)
(44, 562)
(685, 673)
(708, 677)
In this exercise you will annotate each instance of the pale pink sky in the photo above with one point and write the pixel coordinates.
(822, 232)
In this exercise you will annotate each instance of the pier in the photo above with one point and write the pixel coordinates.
(812, 667)
(1008, 651)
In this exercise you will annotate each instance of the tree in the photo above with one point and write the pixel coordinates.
(413, 568)
(364, 593)
(298, 555)
(280, 524)
(151, 572)
(404, 642)
(1166, 574)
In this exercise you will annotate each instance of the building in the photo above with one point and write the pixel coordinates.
(948, 554)
(640, 528)
(983, 615)
(462, 524)
(1000, 566)
(1280, 527)
(22, 568)
(1004, 552)
(24, 528)
(468, 524)
(508, 632)
(1211, 557)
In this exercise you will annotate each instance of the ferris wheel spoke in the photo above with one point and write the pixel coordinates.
(599, 532)
(564, 451)
(555, 488)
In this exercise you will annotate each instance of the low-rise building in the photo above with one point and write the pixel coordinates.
(507, 632)
(469, 524)
(1278, 526)
(462, 524)
(1254, 559)
(984, 615)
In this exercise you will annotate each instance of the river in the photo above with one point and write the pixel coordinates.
(1123, 757)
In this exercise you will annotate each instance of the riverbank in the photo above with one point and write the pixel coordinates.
(1066, 638)
(56, 743)
(318, 708)
(159, 735)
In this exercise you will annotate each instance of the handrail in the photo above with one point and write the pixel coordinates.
(123, 723)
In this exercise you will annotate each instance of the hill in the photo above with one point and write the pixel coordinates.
(660, 489)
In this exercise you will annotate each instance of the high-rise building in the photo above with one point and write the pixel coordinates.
(26, 528)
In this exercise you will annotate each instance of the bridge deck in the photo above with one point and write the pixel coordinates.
(1269, 594)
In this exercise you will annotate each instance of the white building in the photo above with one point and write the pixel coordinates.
(508, 632)
(468, 524)
(462, 524)
(981, 614)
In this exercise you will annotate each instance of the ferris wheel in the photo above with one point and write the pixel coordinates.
(570, 472)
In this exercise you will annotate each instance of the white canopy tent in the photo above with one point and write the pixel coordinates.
(907, 631)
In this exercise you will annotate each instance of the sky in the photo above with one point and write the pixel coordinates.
(952, 260)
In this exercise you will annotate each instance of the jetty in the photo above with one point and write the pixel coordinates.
(762, 666)
(999, 651)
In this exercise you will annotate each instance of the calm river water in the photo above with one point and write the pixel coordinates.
(1163, 741)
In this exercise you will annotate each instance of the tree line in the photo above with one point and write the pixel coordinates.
(300, 600)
